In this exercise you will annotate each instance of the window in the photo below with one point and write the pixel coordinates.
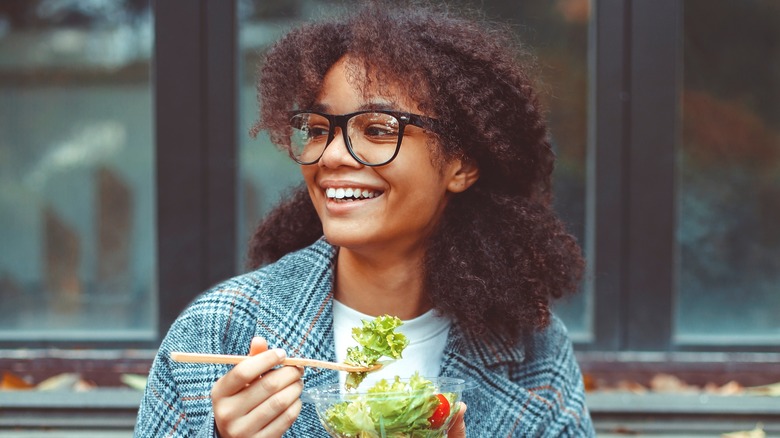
(684, 163)
(77, 195)
(728, 200)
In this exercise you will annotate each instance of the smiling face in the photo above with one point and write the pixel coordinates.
(386, 208)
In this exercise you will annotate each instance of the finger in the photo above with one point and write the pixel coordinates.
(247, 371)
(256, 393)
(257, 346)
(276, 414)
(271, 383)
(284, 421)
(458, 428)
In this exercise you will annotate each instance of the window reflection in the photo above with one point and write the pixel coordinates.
(76, 170)
(729, 164)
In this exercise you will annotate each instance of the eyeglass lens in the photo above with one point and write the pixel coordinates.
(373, 137)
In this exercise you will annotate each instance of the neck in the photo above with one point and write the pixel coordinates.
(381, 285)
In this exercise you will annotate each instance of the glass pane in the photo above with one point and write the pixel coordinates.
(729, 164)
(77, 214)
(556, 30)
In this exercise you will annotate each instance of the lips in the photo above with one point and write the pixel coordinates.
(351, 193)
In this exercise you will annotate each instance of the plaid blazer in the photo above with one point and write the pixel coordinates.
(531, 390)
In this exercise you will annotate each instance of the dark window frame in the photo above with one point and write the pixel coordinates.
(196, 113)
(634, 132)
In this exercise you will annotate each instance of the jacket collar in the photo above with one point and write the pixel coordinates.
(490, 351)
(464, 350)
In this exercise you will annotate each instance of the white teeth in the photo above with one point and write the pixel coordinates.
(349, 193)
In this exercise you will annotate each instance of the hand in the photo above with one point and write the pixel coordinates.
(458, 427)
(256, 400)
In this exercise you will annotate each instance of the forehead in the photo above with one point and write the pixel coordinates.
(352, 85)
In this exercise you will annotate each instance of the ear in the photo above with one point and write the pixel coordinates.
(464, 173)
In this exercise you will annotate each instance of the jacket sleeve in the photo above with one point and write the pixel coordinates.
(552, 398)
(162, 412)
(177, 399)
(540, 394)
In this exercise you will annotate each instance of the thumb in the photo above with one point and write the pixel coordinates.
(458, 428)
(257, 346)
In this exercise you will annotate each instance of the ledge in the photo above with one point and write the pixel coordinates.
(687, 414)
(111, 412)
(99, 410)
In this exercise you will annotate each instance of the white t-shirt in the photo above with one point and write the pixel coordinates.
(427, 335)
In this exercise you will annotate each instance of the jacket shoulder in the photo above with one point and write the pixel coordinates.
(302, 270)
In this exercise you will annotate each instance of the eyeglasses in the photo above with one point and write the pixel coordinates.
(373, 137)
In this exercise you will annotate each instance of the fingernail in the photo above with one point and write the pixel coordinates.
(280, 352)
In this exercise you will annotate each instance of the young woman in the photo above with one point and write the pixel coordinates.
(427, 164)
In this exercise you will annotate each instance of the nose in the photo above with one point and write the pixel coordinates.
(336, 153)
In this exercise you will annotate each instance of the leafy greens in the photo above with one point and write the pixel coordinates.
(390, 408)
(376, 339)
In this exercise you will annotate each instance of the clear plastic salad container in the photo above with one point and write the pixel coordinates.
(417, 407)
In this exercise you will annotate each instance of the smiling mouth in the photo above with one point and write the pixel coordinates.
(350, 194)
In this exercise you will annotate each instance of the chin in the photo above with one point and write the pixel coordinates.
(340, 239)
(345, 237)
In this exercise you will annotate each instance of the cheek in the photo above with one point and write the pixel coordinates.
(424, 175)
(424, 190)
(311, 186)
(307, 172)
(309, 177)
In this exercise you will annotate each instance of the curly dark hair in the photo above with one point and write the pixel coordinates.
(499, 255)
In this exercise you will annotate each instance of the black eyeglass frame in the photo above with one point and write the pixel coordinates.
(340, 121)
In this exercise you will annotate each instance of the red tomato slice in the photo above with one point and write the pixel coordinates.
(441, 413)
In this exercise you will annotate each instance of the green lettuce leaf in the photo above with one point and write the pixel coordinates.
(376, 339)
(351, 419)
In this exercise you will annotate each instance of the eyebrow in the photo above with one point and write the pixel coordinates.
(382, 106)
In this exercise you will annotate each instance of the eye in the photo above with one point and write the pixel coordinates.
(378, 126)
(309, 128)
(317, 132)
(380, 131)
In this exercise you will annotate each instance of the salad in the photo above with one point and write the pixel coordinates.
(410, 408)
(400, 408)
(376, 339)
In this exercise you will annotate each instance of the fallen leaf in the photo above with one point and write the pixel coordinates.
(669, 383)
(758, 432)
(59, 382)
(135, 381)
(730, 388)
(12, 382)
(83, 385)
(630, 386)
(589, 381)
(771, 390)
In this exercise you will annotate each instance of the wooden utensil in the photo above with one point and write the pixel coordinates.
(292, 361)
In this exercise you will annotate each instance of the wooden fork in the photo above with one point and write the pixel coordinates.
(293, 361)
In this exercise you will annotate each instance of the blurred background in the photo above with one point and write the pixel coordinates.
(129, 184)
